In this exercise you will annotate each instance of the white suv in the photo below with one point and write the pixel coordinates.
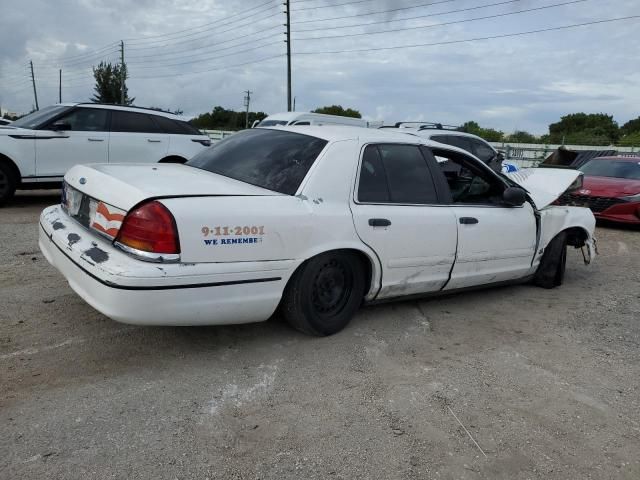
(450, 136)
(38, 149)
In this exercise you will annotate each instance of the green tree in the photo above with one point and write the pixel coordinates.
(632, 126)
(110, 81)
(520, 136)
(221, 118)
(585, 129)
(489, 134)
(338, 110)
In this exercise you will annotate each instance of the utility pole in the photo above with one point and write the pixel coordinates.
(247, 100)
(60, 87)
(288, 25)
(294, 104)
(123, 76)
(33, 80)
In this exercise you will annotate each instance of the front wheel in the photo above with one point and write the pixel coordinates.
(553, 264)
(7, 184)
(324, 293)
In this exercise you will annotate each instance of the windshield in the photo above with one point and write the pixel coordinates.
(39, 117)
(599, 167)
(272, 123)
(271, 159)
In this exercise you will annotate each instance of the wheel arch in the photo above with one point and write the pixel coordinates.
(369, 261)
(5, 160)
(173, 159)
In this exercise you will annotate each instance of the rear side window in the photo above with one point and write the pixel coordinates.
(272, 159)
(133, 122)
(175, 127)
(404, 170)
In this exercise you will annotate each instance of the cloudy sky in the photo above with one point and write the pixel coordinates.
(390, 59)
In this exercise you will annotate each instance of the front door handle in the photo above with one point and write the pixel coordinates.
(153, 140)
(468, 220)
(379, 222)
(96, 139)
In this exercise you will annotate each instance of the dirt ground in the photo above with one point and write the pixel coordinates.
(509, 383)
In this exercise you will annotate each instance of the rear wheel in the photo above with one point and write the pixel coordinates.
(553, 264)
(324, 293)
(8, 183)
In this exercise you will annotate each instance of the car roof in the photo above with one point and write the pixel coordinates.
(125, 108)
(336, 133)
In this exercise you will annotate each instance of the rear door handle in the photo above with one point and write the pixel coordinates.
(379, 222)
(96, 139)
(152, 140)
(468, 220)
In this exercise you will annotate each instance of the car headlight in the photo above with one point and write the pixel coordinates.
(632, 198)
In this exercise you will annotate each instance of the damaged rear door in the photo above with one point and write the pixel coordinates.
(396, 212)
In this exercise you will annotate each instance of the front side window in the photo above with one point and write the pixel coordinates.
(273, 159)
(86, 120)
(395, 173)
(133, 122)
(469, 183)
(39, 117)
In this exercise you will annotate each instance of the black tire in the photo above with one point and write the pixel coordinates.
(8, 183)
(324, 293)
(550, 273)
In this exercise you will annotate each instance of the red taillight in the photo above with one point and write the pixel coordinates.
(150, 228)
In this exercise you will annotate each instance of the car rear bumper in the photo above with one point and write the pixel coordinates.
(132, 291)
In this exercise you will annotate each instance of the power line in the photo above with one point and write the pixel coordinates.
(80, 57)
(204, 59)
(395, 20)
(454, 22)
(329, 6)
(223, 67)
(467, 40)
(200, 26)
(378, 12)
(154, 58)
(152, 43)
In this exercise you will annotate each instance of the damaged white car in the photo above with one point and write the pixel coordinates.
(316, 220)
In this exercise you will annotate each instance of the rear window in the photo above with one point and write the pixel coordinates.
(271, 159)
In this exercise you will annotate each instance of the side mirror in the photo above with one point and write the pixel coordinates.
(60, 126)
(514, 196)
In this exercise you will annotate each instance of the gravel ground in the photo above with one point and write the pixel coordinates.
(509, 383)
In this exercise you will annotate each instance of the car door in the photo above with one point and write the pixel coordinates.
(136, 138)
(396, 212)
(496, 242)
(79, 136)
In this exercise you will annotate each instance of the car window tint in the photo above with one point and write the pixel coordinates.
(274, 159)
(372, 187)
(408, 176)
(483, 151)
(174, 127)
(133, 122)
(86, 120)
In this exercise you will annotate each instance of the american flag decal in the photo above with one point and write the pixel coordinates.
(107, 219)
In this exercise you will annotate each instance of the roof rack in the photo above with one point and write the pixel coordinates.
(427, 125)
(128, 106)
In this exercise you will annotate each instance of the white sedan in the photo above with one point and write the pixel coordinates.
(314, 220)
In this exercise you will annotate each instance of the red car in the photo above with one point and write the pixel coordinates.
(611, 189)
